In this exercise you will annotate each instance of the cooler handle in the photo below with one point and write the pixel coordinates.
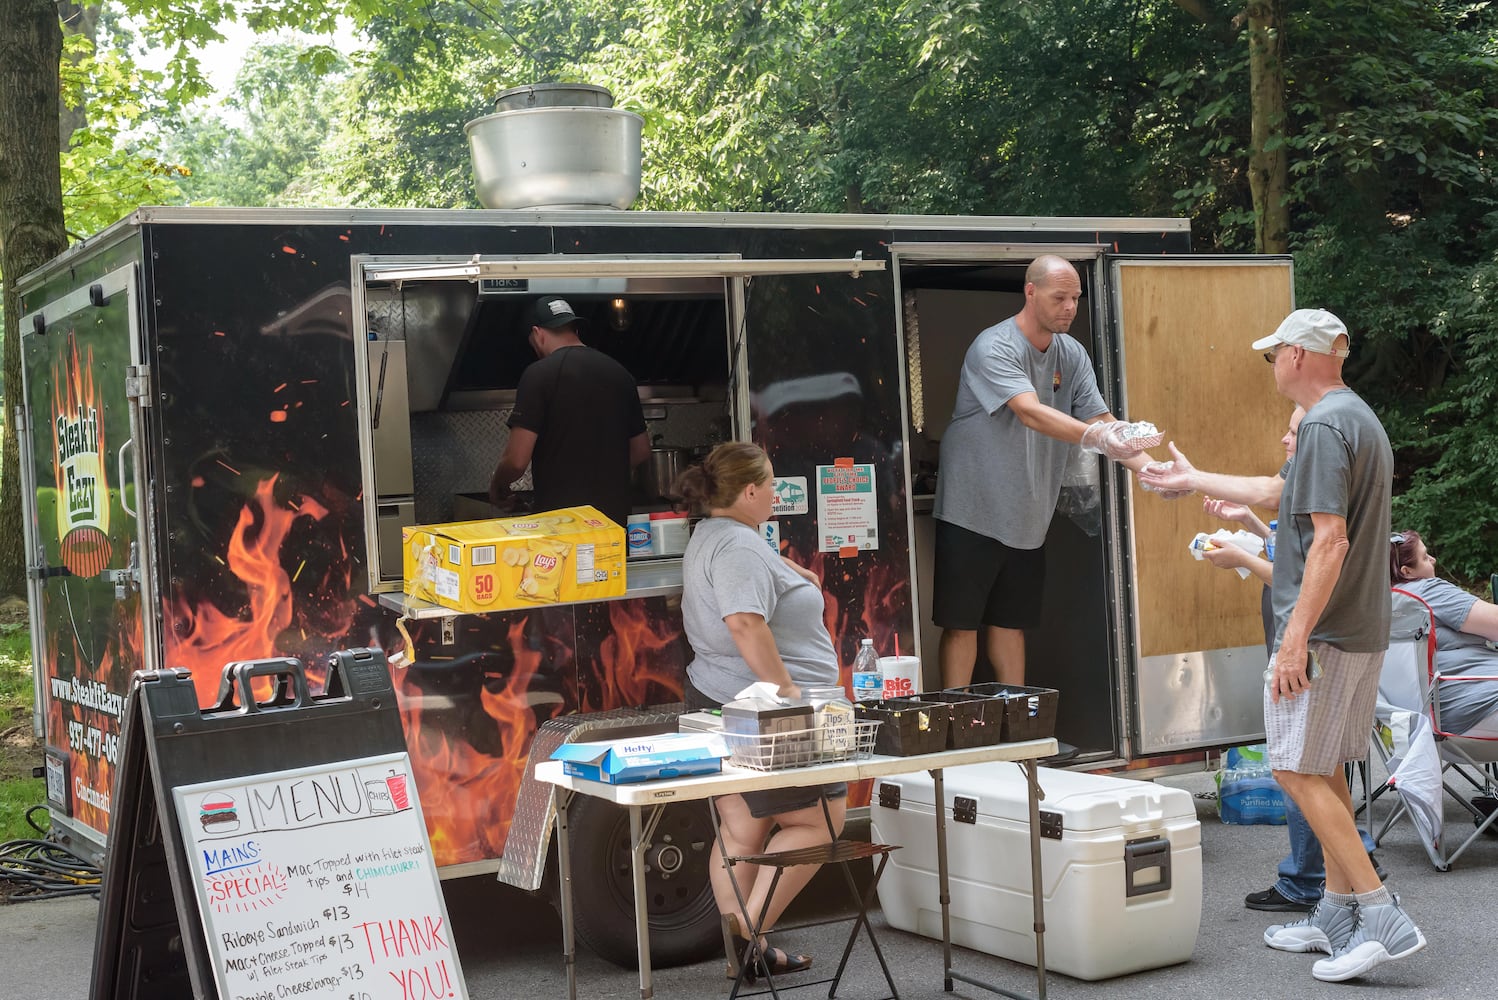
(1146, 866)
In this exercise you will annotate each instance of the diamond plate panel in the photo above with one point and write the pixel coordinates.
(529, 840)
(455, 452)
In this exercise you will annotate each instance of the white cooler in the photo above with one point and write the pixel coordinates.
(1121, 865)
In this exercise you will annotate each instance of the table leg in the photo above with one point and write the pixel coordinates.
(1037, 884)
(642, 914)
(564, 867)
(943, 888)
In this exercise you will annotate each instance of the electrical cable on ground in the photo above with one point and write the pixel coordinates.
(42, 869)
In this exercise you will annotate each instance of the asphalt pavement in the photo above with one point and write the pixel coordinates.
(510, 943)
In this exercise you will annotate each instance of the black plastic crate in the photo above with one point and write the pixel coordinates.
(908, 726)
(977, 720)
(1029, 712)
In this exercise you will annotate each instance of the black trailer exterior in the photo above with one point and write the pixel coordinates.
(239, 460)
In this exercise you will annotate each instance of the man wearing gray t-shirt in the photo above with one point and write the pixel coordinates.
(1026, 396)
(1331, 609)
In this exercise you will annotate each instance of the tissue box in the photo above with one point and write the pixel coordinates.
(572, 554)
(668, 755)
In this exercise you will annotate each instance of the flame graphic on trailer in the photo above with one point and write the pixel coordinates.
(82, 483)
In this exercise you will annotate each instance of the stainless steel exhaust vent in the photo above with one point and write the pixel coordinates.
(552, 145)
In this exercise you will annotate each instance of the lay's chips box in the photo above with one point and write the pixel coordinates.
(572, 554)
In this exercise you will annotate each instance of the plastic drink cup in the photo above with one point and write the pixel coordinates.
(902, 675)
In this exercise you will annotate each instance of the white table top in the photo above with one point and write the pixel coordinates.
(735, 779)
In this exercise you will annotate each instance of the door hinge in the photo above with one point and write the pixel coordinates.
(127, 579)
(138, 383)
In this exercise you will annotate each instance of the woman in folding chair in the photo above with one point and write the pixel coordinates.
(1464, 627)
(752, 615)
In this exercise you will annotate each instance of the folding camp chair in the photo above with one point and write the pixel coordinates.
(1410, 682)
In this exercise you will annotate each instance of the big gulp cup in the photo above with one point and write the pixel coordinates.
(901, 674)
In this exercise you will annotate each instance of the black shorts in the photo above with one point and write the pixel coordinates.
(981, 581)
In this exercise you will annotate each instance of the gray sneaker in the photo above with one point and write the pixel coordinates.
(1383, 933)
(1326, 928)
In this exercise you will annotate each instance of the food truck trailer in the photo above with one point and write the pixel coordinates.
(229, 415)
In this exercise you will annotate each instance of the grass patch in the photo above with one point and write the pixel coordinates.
(20, 751)
(16, 796)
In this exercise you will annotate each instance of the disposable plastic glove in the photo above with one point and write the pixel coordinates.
(1118, 439)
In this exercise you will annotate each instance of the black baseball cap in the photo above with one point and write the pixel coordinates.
(551, 314)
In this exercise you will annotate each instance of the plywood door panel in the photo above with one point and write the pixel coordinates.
(1185, 331)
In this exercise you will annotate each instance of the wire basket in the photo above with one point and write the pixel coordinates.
(802, 747)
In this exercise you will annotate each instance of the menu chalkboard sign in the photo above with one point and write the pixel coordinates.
(318, 882)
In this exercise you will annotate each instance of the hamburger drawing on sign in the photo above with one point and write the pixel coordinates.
(218, 814)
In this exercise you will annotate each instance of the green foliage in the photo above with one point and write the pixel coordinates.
(1395, 127)
(17, 695)
(283, 96)
(1003, 107)
(105, 172)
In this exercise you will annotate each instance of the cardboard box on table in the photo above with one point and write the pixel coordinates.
(642, 758)
(1121, 866)
(571, 554)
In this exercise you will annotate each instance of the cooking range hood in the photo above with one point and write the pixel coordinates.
(467, 344)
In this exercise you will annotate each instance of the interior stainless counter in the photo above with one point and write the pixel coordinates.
(642, 578)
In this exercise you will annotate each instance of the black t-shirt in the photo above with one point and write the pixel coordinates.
(584, 408)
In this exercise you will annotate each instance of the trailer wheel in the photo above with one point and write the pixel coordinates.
(684, 924)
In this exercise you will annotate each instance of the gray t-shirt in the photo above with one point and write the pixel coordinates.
(1463, 704)
(1343, 465)
(728, 569)
(997, 477)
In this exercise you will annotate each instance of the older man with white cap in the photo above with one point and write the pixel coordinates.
(1331, 608)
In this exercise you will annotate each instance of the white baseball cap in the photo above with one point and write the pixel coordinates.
(1315, 330)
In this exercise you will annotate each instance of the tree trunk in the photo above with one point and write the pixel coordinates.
(31, 225)
(77, 19)
(1268, 167)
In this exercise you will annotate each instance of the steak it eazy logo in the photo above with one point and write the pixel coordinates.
(78, 444)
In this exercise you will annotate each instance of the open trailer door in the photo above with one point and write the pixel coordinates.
(1183, 330)
(80, 459)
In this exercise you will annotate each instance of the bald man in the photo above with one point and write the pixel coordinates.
(1026, 396)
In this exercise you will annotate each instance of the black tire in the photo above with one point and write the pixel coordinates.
(684, 925)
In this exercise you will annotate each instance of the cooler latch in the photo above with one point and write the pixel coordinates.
(1050, 824)
(1146, 866)
(889, 795)
(964, 809)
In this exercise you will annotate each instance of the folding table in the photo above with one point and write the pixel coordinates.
(650, 796)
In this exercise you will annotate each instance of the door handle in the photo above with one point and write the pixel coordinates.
(120, 468)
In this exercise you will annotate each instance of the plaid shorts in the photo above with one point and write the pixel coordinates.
(1328, 724)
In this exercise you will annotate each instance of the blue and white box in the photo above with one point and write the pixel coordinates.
(642, 758)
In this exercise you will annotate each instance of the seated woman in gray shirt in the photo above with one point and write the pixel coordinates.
(752, 615)
(1464, 626)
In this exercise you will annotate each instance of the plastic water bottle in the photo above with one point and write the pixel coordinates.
(868, 684)
(1269, 542)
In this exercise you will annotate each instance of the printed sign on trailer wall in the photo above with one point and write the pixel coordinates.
(319, 882)
(847, 508)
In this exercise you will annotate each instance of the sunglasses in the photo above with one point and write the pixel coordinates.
(1270, 354)
(1398, 539)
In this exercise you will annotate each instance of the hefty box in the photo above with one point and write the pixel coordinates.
(641, 758)
(572, 554)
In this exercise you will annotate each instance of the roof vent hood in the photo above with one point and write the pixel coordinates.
(556, 145)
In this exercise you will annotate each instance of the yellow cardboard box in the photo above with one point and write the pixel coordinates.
(572, 554)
